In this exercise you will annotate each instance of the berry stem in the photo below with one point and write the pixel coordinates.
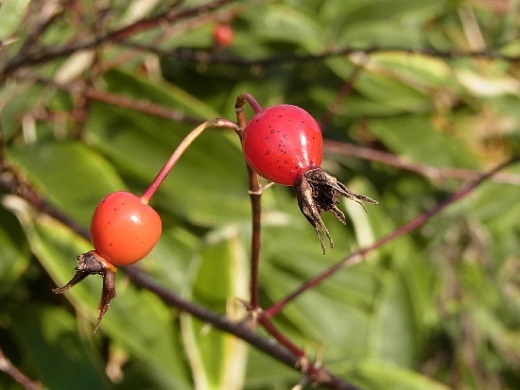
(247, 97)
(178, 152)
(255, 195)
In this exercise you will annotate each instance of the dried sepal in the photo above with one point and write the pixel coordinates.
(91, 263)
(317, 192)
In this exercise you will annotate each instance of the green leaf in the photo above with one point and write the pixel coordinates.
(137, 321)
(385, 377)
(18, 100)
(11, 15)
(416, 138)
(58, 355)
(163, 94)
(218, 360)
(209, 183)
(15, 257)
(284, 23)
(392, 334)
(69, 173)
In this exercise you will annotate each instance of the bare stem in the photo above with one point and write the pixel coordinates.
(193, 55)
(359, 255)
(14, 372)
(241, 329)
(343, 93)
(313, 371)
(44, 54)
(255, 195)
(179, 151)
(117, 100)
(247, 97)
(432, 172)
(280, 337)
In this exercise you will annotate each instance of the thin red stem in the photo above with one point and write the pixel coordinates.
(247, 97)
(359, 255)
(255, 194)
(183, 146)
(240, 329)
(273, 331)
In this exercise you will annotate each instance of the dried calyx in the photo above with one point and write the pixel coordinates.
(91, 263)
(317, 192)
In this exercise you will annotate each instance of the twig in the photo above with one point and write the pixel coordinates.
(346, 89)
(180, 150)
(44, 54)
(255, 195)
(119, 100)
(314, 371)
(434, 173)
(240, 329)
(14, 372)
(359, 255)
(12, 182)
(210, 57)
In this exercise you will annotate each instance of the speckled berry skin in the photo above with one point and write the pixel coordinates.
(282, 142)
(124, 229)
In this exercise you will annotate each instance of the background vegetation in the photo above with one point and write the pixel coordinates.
(415, 98)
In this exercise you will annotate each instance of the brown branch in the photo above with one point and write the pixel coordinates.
(434, 173)
(48, 53)
(11, 181)
(119, 100)
(240, 329)
(359, 255)
(14, 372)
(209, 56)
(346, 90)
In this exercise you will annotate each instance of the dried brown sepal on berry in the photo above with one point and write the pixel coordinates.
(91, 263)
(317, 192)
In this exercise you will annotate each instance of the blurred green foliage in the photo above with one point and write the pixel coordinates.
(437, 308)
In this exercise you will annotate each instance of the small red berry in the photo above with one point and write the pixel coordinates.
(124, 229)
(285, 145)
(223, 35)
(282, 142)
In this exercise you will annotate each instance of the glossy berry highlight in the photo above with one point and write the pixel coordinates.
(124, 229)
(284, 144)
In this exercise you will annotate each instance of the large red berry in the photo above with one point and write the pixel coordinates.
(282, 142)
(124, 229)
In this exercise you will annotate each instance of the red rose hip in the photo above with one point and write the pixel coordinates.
(124, 229)
(282, 142)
